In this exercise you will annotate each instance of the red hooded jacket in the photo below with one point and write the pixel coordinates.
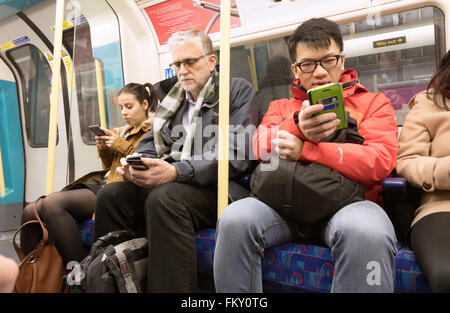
(366, 164)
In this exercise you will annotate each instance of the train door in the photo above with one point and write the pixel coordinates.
(12, 171)
(93, 67)
(27, 53)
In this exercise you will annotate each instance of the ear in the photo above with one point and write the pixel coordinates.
(145, 105)
(294, 70)
(212, 61)
(343, 61)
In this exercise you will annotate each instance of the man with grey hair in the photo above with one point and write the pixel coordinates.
(177, 194)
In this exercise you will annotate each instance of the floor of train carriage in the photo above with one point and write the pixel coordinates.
(6, 247)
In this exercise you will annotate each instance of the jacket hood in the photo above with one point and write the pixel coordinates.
(348, 79)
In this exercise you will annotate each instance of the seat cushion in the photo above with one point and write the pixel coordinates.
(296, 267)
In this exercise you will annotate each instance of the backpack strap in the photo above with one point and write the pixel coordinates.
(126, 271)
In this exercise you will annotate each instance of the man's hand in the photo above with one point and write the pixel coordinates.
(315, 128)
(158, 172)
(288, 146)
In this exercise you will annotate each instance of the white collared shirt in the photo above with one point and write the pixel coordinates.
(187, 116)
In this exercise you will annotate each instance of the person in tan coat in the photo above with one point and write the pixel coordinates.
(424, 160)
(60, 210)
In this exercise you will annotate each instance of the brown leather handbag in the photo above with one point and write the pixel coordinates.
(42, 270)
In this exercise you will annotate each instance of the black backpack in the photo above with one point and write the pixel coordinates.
(116, 263)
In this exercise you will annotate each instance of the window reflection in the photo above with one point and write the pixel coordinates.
(36, 76)
(397, 71)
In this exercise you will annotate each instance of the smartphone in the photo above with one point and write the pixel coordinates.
(96, 130)
(135, 161)
(331, 96)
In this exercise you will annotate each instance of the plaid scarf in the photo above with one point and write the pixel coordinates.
(168, 108)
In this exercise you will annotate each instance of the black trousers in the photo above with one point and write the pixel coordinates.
(430, 241)
(169, 214)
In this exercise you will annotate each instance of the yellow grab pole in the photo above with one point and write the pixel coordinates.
(252, 65)
(101, 98)
(224, 106)
(2, 177)
(56, 77)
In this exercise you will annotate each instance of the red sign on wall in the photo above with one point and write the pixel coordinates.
(177, 15)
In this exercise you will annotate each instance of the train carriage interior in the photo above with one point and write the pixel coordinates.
(394, 45)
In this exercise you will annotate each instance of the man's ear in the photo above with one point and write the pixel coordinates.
(343, 61)
(212, 60)
(294, 70)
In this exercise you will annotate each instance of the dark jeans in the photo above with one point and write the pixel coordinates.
(170, 214)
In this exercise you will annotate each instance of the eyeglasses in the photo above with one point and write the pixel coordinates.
(326, 62)
(186, 62)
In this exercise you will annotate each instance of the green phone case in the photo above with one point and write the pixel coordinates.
(332, 98)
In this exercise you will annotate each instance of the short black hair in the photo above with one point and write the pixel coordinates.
(315, 33)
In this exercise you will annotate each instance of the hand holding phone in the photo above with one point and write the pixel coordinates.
(331, 96)
(96, 130)
(135, 161)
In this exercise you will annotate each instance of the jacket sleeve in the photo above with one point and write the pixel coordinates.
(414, 160)
(369, 163)
(147, 146)
(272, 122)
(122, 146)
(243, 120)
(107, 155)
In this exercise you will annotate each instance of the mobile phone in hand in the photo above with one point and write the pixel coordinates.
(331, 96)
(96, 130)
(135, 161)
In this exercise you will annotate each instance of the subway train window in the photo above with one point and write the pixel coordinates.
(78, 40)
(267, 66)
(395, 54)
(32, 65)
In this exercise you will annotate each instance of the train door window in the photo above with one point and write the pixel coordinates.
(396, 54)
(35, 73)
(78, 42)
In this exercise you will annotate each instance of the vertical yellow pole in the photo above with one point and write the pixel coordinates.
(224, 106)
(56, 75)
(2, 177)
(101, 98)
(252, 65)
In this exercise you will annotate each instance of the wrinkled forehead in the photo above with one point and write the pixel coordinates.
(188, 48)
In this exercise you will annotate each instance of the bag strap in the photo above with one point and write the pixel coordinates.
(36, 215)
(19, 252)
(109, 238)
(45, 235)
(126, 272)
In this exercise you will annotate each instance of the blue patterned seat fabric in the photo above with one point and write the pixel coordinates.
(296, 267)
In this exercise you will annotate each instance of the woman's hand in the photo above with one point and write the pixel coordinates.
(105, 141)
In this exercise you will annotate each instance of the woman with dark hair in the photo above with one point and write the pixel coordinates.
(61, 210)
(424, 160)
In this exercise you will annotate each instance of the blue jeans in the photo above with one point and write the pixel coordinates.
(357, 235)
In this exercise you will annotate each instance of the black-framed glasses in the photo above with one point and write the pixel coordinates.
(326, 62)
(186, 62)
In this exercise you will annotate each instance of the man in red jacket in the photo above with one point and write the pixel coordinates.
(360, 235)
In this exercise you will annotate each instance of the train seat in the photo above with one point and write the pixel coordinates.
(300, 267)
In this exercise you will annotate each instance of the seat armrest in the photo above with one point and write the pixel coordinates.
(400, 201)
